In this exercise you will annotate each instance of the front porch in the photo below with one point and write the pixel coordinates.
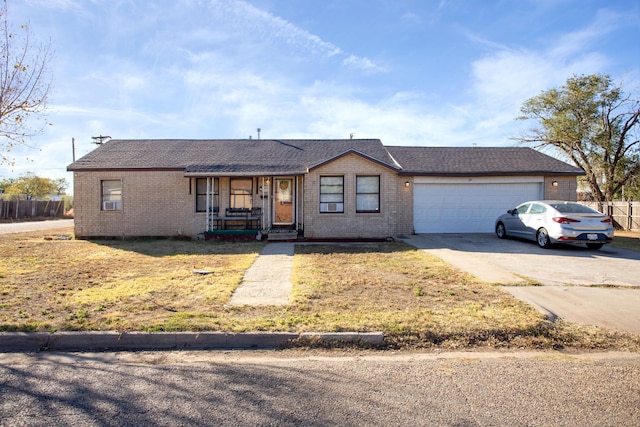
(254, 206)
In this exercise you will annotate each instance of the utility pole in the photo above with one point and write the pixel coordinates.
(73, 148)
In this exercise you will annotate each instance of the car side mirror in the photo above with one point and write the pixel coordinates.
(512, 211)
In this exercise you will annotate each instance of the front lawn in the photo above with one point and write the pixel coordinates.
(150, 285)
(627, 240)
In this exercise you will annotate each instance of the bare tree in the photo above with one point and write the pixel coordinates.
(24, 84)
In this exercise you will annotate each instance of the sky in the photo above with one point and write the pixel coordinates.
(409, 72)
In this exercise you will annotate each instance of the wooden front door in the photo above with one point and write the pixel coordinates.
(283, 201)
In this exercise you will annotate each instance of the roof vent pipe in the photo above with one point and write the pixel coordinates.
(258, 133)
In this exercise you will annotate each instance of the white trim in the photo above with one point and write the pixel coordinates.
(477, 180)
(293, 194)
(209, 226)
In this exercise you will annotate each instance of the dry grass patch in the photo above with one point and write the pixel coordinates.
(148, 285)
(112, 285)
(417, 300)
(627, 240)
(411, 296)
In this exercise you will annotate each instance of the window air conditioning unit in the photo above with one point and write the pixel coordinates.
(331, 207)
(110, 206)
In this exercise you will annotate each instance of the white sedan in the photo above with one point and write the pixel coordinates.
(552, 221)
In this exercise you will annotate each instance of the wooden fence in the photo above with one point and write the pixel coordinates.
(17, 209)
(626, 215)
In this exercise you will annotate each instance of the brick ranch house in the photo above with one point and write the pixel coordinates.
(323, 189)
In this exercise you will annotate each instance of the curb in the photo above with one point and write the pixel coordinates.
(138, 341)
(374, 338)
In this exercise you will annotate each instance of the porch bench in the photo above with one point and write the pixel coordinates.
(248, 218)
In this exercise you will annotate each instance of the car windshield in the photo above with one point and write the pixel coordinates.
(573, 208)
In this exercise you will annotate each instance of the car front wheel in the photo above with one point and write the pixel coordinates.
(501, 232)
(543, 238)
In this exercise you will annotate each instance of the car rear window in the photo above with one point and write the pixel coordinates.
(573, 208)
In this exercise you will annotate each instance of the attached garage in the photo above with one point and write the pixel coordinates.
(468, 205)
(464, 189)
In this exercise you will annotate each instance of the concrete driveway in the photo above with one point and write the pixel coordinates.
(594, 287)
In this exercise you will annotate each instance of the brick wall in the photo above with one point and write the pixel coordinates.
(162, 203)
(566, 188)
(154, 203)
(396, 202)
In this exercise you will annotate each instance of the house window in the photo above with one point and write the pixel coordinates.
(111, 195)
(331, 194)
(201, 195)
(367, 194)
(240, 194)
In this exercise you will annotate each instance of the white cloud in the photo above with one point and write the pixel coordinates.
(364, 64)
(503, 79)
(231, 68)
(56, 4)
(574, 42)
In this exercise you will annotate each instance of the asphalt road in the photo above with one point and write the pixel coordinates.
(593, 287)
(21, 227)
(316, 388)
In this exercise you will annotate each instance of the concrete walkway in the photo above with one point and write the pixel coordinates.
(268, 280)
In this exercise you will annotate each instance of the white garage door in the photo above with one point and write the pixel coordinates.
(465, 206)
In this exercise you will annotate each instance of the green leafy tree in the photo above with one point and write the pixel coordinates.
(595, 124)
(30, 186)
(632, 190)
(24, 85)
(4, 185)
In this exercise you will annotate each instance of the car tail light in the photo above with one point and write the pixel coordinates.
(607, 220)
(565, 220)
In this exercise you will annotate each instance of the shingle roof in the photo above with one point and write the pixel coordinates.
(293, 157)
(465, 161)
(247, 156)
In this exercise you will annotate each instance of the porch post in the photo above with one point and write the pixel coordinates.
(208, 227)
(268, 213)
(262, 199)
(296, 204)
(213, 198)
(302, 205)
